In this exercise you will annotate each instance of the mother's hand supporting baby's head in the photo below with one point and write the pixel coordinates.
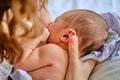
(77, 69)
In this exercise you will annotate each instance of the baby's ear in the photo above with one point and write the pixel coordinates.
(65, 37)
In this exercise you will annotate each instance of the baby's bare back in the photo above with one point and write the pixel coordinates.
(53, 61)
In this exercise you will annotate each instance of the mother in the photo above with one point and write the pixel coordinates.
(21, 24)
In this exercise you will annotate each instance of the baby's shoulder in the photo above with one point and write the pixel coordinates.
(53, 51)
(53, 48)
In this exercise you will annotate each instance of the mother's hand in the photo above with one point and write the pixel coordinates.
(77, 70)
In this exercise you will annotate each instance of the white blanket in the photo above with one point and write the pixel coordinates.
(5, 70)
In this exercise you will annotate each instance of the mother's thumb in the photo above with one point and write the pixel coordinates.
(73, 46)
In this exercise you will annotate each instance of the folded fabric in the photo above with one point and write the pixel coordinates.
(111, 48)
(19, 74)
(5, 69)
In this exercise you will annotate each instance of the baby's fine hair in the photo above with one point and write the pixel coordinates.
(12, 18)
(90, 28)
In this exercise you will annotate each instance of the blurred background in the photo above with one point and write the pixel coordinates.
(57, 7)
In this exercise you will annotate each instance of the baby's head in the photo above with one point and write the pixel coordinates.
(90, 28)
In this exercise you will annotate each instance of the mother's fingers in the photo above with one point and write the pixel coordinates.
(89, 64)
(73, 47)
(73, 66)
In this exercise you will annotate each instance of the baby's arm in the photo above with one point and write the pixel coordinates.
(54, 63)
